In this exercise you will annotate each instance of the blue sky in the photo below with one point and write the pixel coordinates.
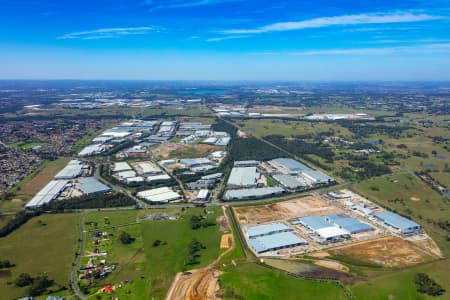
(225, 39)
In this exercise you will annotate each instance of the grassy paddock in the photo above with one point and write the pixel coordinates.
(45, 244)
(251, 281)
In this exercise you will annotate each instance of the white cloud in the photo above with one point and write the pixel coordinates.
(106, 33)
(187, 4)
(230, 37)
(376, 18)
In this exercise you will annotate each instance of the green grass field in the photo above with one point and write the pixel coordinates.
(400, 285)
(252, 281)
(150, 268)
(261, 128)
(414, 199)
(37, 249)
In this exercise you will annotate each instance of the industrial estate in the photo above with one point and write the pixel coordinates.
(192, 193)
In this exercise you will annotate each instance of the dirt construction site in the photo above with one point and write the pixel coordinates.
(172, 149)
(382, 245)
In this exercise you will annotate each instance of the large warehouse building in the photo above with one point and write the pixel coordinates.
(289, 165)
(272, 237)
(47, 194)
(159, 195)
(243, 177)
(275, 242)
(404, 225)
(352, 225)
(325, 231)
(72, 170)
(252, 193)
(266, 229)
(90, 185)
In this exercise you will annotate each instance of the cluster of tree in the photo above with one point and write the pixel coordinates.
(252, 148)
(370, 169)
(19, 219)
(426, 285)
(193, 248)
(221, 125)
(39, 285)
(299, 147)
(367, 130)
(4, 264)
(92, 201)
(198, 222)
(126, 238)
(158, 243)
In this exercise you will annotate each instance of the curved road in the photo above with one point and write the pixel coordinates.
(73, 276)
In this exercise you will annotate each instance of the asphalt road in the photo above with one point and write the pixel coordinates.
(73, 276)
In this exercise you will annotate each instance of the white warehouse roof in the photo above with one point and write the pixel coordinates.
(163, 194)
(246, 176)
(121, 166)
(48, 193)
(71, 170)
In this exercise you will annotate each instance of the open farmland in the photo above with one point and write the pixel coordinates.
(251, 281)
(261, 128)
(400, 285)
(151, 268)
(45, 244)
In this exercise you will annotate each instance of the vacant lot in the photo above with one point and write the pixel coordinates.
(307, 206)
(400, 285)
(180, 150)
(261, 128)
(388, 252)
(45, 244)
(251, 281)
(166, 260)
(249, 215)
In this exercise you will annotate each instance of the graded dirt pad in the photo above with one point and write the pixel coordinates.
(226, 241)
(387, 251)
(255, 214)
(307, 206)
(167, 150)
(196, 285)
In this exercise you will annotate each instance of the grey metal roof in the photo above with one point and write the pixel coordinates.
(48, 193)
(243, 176)
(240, 163)
(71, 170)
(290, 164)
(267, 229)
(312, 222)
(392, 219)
(350, 224)
(275, 241)
(252, 193)
(90, 185)
(318, 176)
(289, 181)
